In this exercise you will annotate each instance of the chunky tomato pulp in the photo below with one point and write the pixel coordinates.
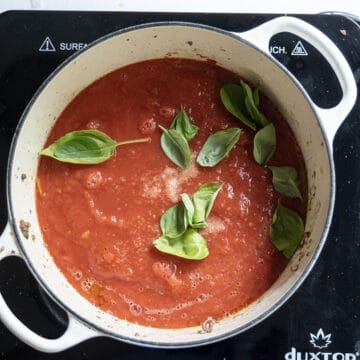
(99, 221)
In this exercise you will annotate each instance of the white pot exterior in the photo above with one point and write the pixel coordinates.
(150, 42)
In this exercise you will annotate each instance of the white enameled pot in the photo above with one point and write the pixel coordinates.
(243, 53)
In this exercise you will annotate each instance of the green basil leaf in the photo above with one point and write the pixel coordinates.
(264, 144)
(232, 96)
(174, 221)
(175, 147)
(285, 181)
(182, 124)
(286, 230)
(85, 147)
(203, 200)
(256, 97)
(190, 245)
(218, 146)
(189, 206)
(251, 104)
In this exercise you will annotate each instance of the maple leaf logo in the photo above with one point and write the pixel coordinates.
(320, 340)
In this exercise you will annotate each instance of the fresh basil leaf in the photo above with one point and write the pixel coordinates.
(174, 221)
(190, 245)
(286, 230)
(85, 147)
(218, 146)
(256, 97)
(175, 147)
(203, 200)
(189, 206)
(182, 124)
(264, 144)
(232, 96)
(285, 181)
(251, 104)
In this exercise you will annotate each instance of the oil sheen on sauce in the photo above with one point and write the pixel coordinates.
(99, 221)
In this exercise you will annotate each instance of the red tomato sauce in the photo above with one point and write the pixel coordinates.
(99, 221)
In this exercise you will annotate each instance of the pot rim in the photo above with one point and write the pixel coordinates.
(207, 339)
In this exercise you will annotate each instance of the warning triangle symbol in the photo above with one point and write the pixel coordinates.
(299, 49)
(47, 45)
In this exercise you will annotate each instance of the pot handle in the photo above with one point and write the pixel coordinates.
(75, 333)
(330, 119)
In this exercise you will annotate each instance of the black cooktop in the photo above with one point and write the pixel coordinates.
(322, 320)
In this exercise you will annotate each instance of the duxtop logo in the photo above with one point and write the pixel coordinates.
(320, 341)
